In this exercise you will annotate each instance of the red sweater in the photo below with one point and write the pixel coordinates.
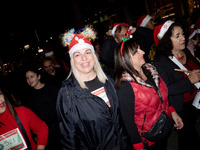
(30, 122)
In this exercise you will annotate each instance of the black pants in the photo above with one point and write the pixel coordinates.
(53, 142)
(188, 137)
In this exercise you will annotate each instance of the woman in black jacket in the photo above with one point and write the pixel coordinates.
(171, 55)
(87, 103)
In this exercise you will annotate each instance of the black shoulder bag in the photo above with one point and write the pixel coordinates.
(163, 124)
(23, 131)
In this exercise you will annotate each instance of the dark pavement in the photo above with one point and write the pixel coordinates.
(173, 139)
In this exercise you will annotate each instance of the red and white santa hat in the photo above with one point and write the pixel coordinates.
(197, 25)
(192, 33)
(116, 25)
(79, 42)
(160, 31)
(143, 20)
(48, 51)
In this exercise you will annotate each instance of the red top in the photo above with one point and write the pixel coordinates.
(190, 65)
(30, 122)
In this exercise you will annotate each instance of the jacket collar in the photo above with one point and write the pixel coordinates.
(79, 92)
(127, 77)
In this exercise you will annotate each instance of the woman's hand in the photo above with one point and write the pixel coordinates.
(178, 121)
(40, 147)
(194, 76)
(133, 29)
(109, 32)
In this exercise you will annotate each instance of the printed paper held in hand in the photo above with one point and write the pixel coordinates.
(196, 100)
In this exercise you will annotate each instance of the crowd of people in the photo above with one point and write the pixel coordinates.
(127, 93)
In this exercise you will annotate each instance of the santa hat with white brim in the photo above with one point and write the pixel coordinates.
(143, 20)
(79, 42)
(116, 25)
(160, 31)
(192, 33)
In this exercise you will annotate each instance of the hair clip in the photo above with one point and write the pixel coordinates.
(87, 32)
(127, 36)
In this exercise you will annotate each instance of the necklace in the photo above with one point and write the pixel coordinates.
(179, 55)
(181, 58)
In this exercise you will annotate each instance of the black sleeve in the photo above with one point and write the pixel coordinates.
(127, 110)
(65, 117)
(107, 51)
(174, 80)
(145, 33)
(144, 38)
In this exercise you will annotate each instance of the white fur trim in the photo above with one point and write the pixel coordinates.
(192, 26)
(145, 21)
(80, 46)
(49, 54)
(164, 29)
(198, 31)
(193, 34)
(114, 29)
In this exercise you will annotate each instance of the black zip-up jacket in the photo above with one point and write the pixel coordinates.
(85, 120)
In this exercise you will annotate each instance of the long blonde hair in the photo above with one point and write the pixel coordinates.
(97, 68)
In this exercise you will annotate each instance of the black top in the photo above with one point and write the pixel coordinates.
(43, 103)
(106, 53)
(57, 79)
(94, 84)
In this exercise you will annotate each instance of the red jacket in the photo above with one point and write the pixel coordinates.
(30, 122)
(148, 105)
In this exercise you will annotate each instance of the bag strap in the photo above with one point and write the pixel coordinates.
(23, 131)
(153, 84)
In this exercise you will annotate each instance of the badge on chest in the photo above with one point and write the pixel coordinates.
(12, 140)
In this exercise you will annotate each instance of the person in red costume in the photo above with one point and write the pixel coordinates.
(11, 134)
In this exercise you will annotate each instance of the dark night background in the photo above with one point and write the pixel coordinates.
(22, 21)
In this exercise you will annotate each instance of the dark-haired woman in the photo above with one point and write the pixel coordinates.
(11, 133)
(172, 54)
(41, 99)
(140, 105)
